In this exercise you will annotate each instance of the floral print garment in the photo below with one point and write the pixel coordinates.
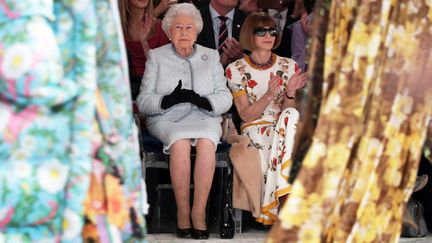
(54, 56)
(360, 170)
(428, 144)
(273, 133)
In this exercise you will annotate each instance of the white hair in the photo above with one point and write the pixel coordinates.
(187, 9)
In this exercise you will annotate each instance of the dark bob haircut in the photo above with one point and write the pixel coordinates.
(256, 20)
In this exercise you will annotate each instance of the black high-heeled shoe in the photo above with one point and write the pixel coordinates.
(200, 234)
(184, 233)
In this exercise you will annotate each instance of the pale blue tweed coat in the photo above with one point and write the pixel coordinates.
(201, 72)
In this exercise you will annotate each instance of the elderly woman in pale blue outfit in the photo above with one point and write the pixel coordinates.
(184, 93)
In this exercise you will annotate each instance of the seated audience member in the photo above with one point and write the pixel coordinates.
(289, 13)
(300, 34)
(142, 32)
(222, 23)
(184, 93)
(264, 87)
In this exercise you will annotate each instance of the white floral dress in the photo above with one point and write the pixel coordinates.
(273, 133)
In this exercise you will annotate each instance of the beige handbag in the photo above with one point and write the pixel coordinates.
(228, 128)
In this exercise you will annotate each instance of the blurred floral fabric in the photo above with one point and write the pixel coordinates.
(428, 143)
(374, 58)
(68, 149)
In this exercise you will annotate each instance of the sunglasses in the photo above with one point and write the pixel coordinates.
(261, 31)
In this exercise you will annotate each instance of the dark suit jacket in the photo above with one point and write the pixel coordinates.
(206, 37)
(284, 49)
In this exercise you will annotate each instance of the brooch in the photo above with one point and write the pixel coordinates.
(204, 57)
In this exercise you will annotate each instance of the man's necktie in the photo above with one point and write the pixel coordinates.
(223, 33)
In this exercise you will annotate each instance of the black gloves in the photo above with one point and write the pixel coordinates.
(176, 97)
(180, 95)
(199, 101)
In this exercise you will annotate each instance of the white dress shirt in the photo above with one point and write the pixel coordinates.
(280, 23)
(217, 21)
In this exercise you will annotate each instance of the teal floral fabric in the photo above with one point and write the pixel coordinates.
(59, 61)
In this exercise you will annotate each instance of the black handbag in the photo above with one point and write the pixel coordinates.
(415, 224)
(227, 222)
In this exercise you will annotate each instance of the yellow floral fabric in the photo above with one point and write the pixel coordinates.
(377, 101)
(428, 143)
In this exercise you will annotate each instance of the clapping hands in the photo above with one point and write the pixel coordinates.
(274, 85)
(297, 81)
(146, 27)
(162, 7)
(232, 50)
(305, 22)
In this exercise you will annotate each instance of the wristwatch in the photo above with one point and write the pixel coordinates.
(289, 97)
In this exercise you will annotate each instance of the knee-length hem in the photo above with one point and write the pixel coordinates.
(190, 127)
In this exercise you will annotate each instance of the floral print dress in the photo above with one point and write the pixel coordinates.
(273, 133)
(69, 164)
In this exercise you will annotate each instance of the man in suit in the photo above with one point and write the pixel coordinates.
(285, 16)
(230, 50)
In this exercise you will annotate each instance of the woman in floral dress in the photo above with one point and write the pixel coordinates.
(264, 86)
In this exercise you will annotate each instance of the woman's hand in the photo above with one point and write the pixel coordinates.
(146, 27)
(232, 50)
(196, 99)
(176, 97)
(297, 81)
(162, 7)
(304, 21)
(273, 86)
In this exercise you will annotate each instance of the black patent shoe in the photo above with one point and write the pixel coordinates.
(200, 234)
(184, 233)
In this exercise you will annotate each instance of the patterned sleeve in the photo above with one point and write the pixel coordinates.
(288, 67)
(236, 81)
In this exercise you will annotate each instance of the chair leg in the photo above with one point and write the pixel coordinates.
(158, 207)
(238, 220)
(221, 201)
